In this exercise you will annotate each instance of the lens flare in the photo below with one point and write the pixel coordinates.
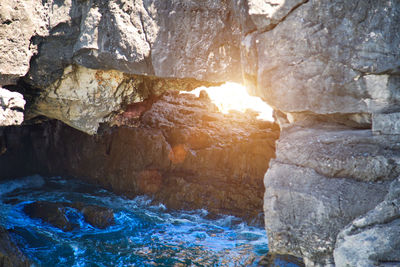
(233, 96)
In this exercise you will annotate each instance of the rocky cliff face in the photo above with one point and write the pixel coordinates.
(330, 69)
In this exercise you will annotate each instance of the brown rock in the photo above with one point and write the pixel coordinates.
(52, 213)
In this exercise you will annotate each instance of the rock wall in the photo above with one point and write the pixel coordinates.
(330, 69)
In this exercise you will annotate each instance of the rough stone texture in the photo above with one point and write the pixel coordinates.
(178, 149)
(83, 98)
(334, 60)
(323, 177)
(332, 57)
(339, 151)
(10, 255)
(11, 108)
(19, 21)
(386, 123)
(304, 211)
(373, 239)
(181, 39)
(267, 14)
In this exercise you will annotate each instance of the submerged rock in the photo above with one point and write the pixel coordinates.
(99, 217)
(10, 255)
(55, 213)
(52, 213)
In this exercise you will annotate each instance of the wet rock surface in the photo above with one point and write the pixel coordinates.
(56, 214)
(179, 149)
(10, 255)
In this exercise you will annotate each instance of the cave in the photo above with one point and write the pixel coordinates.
(114, 149)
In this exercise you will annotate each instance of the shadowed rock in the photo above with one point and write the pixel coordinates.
(54, 213)
(10, 255)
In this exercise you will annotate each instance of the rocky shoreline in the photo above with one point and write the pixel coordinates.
(329, 69)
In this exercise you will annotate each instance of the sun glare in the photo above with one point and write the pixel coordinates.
(233, 96)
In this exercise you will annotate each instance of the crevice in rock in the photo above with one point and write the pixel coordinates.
(272, 26)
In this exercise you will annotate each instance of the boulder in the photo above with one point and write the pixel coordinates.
(52, 213)
(55, 213)
(99, 217)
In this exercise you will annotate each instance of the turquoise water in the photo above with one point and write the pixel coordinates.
(144, 234)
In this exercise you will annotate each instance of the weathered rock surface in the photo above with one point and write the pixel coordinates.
(332, 57)
(11, 108)
(83, 98)
(335, 60)
(324, 177)
(373, 239)
(10, 255)
(19, 21)
(177, 148)
(191, 39)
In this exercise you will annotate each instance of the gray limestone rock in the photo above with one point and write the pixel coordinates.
(338, 151)
(19, 21)
(386, 123)
(304, 211)
(183, 39)
(373, 239)
(332, 57)
(11, 108)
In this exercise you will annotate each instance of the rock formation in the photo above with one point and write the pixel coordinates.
(330, 69)
(176, 148)
(11, 108)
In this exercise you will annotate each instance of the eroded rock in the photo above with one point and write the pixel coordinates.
(324, 176)
(332, 57)
(304, 211)
(372, 239)
(11, 108)
(83, 98)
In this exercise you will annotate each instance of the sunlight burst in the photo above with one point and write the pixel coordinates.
(233, 96)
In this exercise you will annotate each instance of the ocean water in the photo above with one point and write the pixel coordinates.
(144, 234)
